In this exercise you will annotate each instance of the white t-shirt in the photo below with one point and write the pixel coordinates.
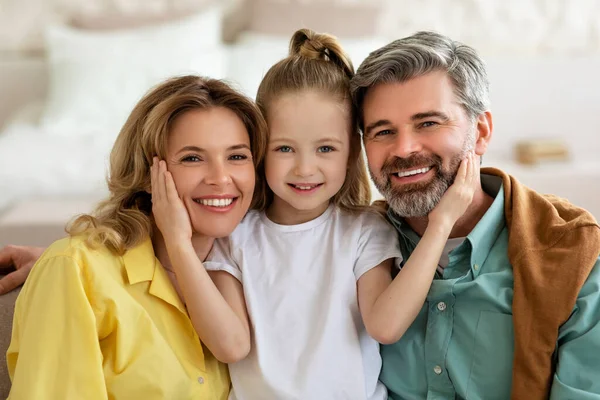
(309, 340)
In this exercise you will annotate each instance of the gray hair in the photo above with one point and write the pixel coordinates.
(419, 54)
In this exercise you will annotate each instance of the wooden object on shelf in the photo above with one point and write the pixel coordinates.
(535, 151)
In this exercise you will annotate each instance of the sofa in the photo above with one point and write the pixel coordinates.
(7, 305)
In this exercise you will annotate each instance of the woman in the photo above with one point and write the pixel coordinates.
(101, 315)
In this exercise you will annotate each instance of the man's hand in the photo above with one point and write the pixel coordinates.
(21, 258)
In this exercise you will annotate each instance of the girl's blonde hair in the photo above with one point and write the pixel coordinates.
(124, 219)
(316, 61)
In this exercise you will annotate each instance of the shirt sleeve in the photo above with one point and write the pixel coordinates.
(222, 259)
(55, 351)
(578, 367)
(378, 242)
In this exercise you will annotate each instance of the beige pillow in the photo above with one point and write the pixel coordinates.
(347, 20)
(236, 17)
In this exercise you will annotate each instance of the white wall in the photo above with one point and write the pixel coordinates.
(543, 59)
(502, 26)
(526, 26)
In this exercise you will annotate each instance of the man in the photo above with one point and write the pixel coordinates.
(515, 307)
(508, 315)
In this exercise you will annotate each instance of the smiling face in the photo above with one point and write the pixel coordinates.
(415, 136)
(208, 154)
(307, 155)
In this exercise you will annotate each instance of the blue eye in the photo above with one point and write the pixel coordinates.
(428, 124)
(325, 149)
(284, 149)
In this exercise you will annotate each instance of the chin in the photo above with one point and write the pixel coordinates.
(215, 232)
(215, 227)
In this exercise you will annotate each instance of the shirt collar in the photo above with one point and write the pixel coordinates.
(485, 233)
(489, 227)
(141, 265)
(140, 262)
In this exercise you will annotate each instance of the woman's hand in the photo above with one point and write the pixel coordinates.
(459, 196)
(170, 214)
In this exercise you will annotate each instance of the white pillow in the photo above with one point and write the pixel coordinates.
(96, 77)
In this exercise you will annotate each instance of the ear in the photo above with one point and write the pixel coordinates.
(484, 129)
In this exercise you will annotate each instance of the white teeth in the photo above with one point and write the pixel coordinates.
(215, 202)
(305, 187)
(412, 172)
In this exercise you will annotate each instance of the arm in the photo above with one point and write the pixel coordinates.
(21, 258)
(55, 351)
(389, 309)
(578, 367)
(216, 306)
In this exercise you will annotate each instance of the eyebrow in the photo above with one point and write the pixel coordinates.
(330, 140)
(430, 114)
(324, 140)
(201, 150)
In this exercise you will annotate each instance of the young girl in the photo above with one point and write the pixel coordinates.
(315, 262)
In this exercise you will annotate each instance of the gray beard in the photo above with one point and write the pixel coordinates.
(414, 201)
(417, 203)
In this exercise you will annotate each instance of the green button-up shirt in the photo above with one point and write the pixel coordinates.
(461, 344)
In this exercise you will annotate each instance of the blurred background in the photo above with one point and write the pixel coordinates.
(71, 70)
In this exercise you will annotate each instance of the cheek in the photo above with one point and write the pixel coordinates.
(339, 164)
(245, 179)
(448, 151)
(185, 180)
(275, 167)
(376, 155)
(446, 143)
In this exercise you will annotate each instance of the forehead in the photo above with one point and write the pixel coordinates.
(432, 91)
(207, 128)
(308, 116)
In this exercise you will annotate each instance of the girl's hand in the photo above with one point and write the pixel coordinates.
(170, 214)
(458, 197)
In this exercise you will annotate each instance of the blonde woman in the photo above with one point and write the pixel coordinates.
(102, 314)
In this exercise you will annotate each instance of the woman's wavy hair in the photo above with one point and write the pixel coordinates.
(124, 219)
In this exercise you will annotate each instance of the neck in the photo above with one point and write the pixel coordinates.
(465, 224)
(201, 244)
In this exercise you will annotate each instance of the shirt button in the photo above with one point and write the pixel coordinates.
(200, 380)
(437, 369)
(476, 267)
(441, 306)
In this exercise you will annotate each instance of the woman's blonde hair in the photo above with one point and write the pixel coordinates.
(124, 219)
(316, 61)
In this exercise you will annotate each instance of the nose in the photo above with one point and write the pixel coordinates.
(406, 144)
(218, 174)
(305, 165)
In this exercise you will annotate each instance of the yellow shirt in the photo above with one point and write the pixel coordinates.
(91, 325)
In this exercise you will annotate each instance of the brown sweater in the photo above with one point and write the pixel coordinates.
(552, 246)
